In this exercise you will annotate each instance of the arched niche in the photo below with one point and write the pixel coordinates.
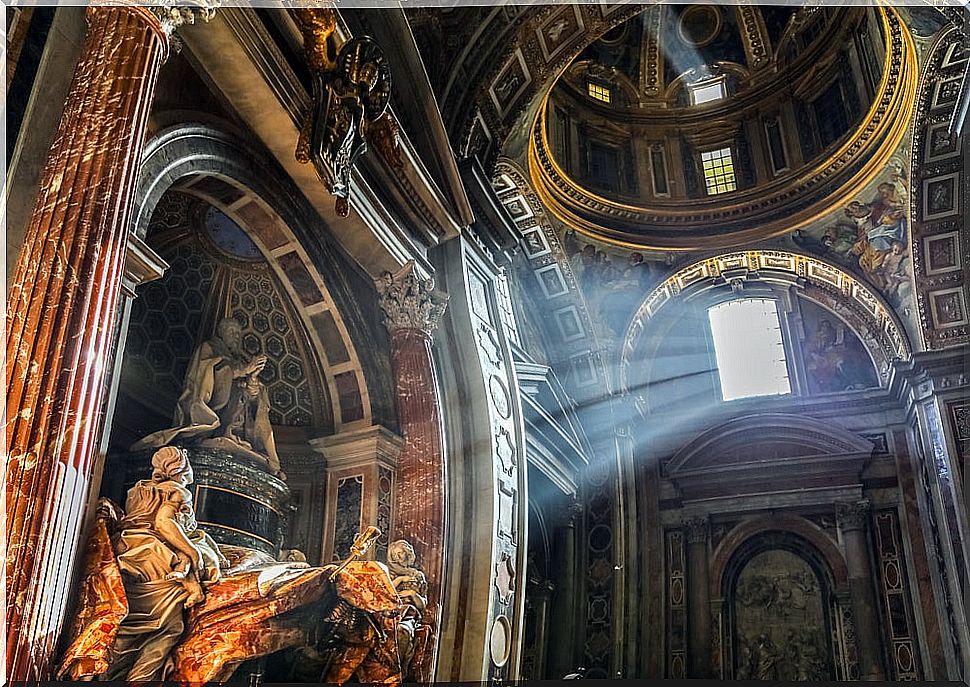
(780, 614)
(667, 359)
(319, 298)
(329, 294)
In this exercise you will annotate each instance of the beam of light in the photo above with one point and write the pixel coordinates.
(749, 349)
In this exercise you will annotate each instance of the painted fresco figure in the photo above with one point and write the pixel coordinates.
(223, 402)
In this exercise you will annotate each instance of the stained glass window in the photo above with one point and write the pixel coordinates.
(718, 168)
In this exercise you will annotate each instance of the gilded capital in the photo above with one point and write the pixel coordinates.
(409, 301)
(853, 516)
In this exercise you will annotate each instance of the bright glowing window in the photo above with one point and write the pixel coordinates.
(707, 92)
(718, 166)
(749, 349)
(598, 92)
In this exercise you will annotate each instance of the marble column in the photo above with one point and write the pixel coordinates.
(852, 519)
(412, 309)
(62, 314)
(698, 599)
(563, 625)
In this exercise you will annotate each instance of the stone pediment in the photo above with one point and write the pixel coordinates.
(768, 453)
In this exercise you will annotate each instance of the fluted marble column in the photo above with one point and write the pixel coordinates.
(698, 598)
(412, 309)
(853, 519)
(61, 317)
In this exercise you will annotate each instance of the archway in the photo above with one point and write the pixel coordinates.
(759, 273)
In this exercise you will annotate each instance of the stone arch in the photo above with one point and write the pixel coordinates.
(806, 555)
(865, 311)
(247, 186)
(781, 522)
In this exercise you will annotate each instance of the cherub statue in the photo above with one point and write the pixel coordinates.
(409, 581)
(412, 586)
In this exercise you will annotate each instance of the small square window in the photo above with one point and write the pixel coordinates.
(718, 166)
(598, 92)
(707, 91)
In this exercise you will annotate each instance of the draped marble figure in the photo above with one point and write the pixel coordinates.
(223, 402)
(164, 559)
(140, 617)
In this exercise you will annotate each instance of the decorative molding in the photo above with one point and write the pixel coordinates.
(409, 302)
(938, 200)
(749, 215)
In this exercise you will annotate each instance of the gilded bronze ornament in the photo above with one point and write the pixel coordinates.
(349, 96)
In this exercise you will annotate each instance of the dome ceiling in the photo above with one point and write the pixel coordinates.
(704, 126)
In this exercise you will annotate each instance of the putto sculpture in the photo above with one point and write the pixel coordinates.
(223, 403)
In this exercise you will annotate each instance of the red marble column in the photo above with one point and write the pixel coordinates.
(62, 311)
(412, 309)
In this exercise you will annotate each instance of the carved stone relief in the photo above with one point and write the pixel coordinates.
(781, 625)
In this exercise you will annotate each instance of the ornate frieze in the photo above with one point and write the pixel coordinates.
(698, 529)
(410, 302)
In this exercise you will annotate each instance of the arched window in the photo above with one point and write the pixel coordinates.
(749, 348)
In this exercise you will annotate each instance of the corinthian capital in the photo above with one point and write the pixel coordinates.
(853, 516)
(175, 13)
(410, 302)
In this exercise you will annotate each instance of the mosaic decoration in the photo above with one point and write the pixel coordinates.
(900, 625)
(676, 595)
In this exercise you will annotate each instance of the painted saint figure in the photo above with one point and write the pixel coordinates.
(223, 403)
